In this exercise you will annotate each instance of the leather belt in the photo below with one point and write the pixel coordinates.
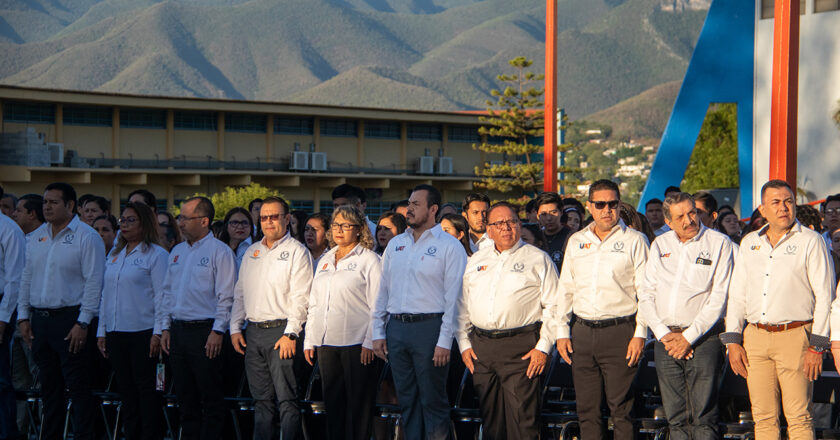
(46, 313)
(601, 323)
(676, 329)
(415, 317)
(496, 334)
(182, 323)
(268, 324)
(781, 327)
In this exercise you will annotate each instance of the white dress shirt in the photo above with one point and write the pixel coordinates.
(132, 292)
(241, 250)
(793, 281)
(601, 279)
(685, 283)
(199, 283)
(341, 299)
(12, 260)
(63, 270)
(661, 230)
(421, 277)
(273, 284)
(507, 290)
(483, 242)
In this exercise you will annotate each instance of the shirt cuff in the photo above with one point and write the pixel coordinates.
(156, 328)
(641, 331)
(464, 344)
(23, 312)
(445, 341)
(563, 332)
(378, 330)
(691, 334)
(730, 338)
(543, 346)
(660, 331)
(220, 326)
(85, 317)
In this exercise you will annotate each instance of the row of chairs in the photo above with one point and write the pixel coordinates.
(558, 409)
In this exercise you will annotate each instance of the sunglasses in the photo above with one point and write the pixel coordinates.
(613, 204)
(272, 217)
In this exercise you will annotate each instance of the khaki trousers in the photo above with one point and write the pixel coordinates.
(776, 373)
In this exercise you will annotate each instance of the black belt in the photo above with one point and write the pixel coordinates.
(183, 323)
(268, 324)
(415, 317)
(601, 323)
(46, 313)
(496, 334)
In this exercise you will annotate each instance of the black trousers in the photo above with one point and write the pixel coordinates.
(599, 369)
(509, 400)
(198, 382)
(59, 369)
(273, 385)
(135, 374)
(349, 391)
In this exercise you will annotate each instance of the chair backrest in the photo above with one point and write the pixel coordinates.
(558, 376)
(386, 392)
(466, 396)
(313, 392)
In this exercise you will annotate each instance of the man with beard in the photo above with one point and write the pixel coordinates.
(475, 212)
(414, 319)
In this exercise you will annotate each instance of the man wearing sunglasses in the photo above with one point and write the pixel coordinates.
(197, 296)
(605, 265)
(272, 296)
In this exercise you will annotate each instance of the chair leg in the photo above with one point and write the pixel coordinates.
(67, 418)
(117, 422)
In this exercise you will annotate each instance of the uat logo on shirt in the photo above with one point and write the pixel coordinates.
(325, 266)
(666, 255)
(480, 268)
(256, 253)
(400, 248)
(42, 239)
(175, 260)
(585, 245)
(755, 248)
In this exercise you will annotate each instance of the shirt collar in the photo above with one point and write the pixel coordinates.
(620, 225)
(434, 231)
(797, 227)
(203, 239)
(278, 242)
(512, 250)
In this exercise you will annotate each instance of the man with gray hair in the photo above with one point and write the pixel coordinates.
(681, 300)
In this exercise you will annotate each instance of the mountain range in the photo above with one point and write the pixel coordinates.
(406, 54)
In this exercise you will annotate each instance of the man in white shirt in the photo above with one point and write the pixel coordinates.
(197, 296)
(271, 296)
(606, 264)
(12, 259)
(29, 213)
(655, 216)
(414, 319)
(682, 300)
(474, 210)
(782, 286)
(830, 210)
(59, 299)
(346, 194)
(506, 327)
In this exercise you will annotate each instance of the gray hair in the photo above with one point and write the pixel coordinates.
(674, 200)
(352, 214)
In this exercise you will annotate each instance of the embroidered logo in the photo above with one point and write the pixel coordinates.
(204, 261)
(755, 247)
(175, 260)
(618, 246)
(790, 249)
(704, 254)
(42, 239)
(556, 256)
(351, 266)
(400, 248)
(284, 255)
(431, 251)
(518, 267)
(480, 268)
(68, 239)
(136, 262)
(256, 253)
(666, 255)
(114, 260)
(585, 245)
(325, 267)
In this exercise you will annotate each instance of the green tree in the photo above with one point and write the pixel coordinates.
(714, 162)
(232, 197)
(514, 120)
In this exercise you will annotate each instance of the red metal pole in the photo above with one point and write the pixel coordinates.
(550, 136)
(783, 112)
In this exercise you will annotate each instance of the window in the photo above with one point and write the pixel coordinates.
(197, 121)
(302, 205)
(768, 8)
(382, 129)
(91, 116)
(826, 5)
(142, 118)
(461, 133)
(247, 122)
(339, 127)
(30, 112)
(293, 125)
(424, 132)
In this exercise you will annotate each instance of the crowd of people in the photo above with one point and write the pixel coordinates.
(272, 290)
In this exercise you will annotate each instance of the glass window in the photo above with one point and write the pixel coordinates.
(382, 129)
(29, 112)
(463, 133)
(424, 132)
(197, 121)
(247, 122)
(826, 5)
(768, 8)
(91, 116)
(293, 125)
(142, 118)
(339, 127)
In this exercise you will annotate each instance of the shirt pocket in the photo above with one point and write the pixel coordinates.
(698, 276)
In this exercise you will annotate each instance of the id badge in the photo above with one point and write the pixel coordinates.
(160, 377)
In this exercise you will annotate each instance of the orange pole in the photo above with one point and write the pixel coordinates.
(783, 113)
(550, 113)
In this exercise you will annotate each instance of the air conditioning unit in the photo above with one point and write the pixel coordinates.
(426, 165)
(299, 161)
(319, 161)
(56, 153)
(444, 165)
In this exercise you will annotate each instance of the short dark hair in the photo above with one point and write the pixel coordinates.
(548, 198)
(84, 198)
(513, 209)
(275, 199)
(10, 196)
(204, 208)
(653, 201)
(347, 191)
(110, 218)
(474, 197)
(829, 199)
(432, 194)
(68, 193)
(253, 202)
(103, 203)
(775, 183)
(148, 198)
(671, 188)
(401, 203)
(531, 205)
(707, 199)
(604, 184)
(34, 202)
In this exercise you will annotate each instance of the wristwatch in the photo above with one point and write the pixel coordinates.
(291, 336)
(82, 325)
(816, 349)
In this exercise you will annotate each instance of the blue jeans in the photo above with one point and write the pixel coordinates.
(690, 389)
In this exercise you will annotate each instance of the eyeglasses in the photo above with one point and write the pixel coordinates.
(272, 217)
(832, 211)
(127, 220)
(343, 226)
(182, 218)
(238, 223)
(502, 224)
(613, 204)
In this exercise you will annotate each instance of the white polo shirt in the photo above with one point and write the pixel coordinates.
(12, 261)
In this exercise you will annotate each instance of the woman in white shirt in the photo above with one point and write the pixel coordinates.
(130, 317)
(237, 233)
(338, 328)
